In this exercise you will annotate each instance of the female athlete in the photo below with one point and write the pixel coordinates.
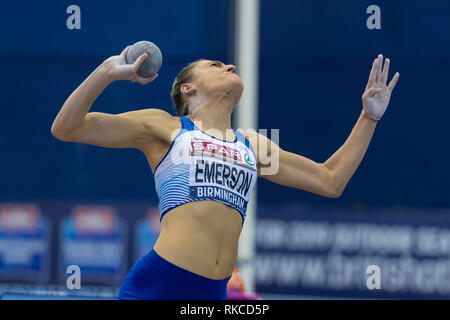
(205, 171)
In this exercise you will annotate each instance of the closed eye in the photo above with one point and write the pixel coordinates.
(216, 63)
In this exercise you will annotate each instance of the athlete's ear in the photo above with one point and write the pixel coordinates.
(188, 88)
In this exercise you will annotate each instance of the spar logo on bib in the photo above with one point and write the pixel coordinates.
(216, 150)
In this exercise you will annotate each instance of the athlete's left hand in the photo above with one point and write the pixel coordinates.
(377, 94)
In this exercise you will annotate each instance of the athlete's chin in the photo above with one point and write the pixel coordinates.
(237, 85)
(235, 91)
(239, 88)
(237, 79)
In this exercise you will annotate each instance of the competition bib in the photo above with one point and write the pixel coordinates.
(221, 170)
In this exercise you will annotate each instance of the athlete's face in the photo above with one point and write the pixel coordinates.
(214, 77)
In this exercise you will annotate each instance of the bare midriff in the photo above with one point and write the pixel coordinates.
(201, 237)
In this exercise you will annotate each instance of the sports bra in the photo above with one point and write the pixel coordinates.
(198, 167)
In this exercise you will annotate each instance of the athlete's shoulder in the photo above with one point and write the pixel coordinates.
(254, 137)
(262, 145)
(149, 114)
(154, 116)
(155, 113)
(249, 134)
(158, 122)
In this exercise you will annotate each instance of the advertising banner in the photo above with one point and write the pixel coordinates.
(94, 240)
(24, 244)
(380, 253)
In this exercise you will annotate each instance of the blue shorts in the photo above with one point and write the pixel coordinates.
(154, 278)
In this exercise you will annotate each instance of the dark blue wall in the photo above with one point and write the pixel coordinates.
(315, 60)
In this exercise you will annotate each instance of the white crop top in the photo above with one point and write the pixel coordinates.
(198, 167)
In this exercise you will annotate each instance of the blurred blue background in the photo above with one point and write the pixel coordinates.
(315, 58)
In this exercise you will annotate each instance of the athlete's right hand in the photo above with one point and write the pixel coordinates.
(118, 69)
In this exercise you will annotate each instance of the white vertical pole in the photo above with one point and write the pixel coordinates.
(247, 62)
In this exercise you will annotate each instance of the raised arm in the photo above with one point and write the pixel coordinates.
(125, 130)
(330, 178)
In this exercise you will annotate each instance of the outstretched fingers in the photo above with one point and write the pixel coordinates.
(393, 82)
(384, 74)
(379, 67)
(379, 73)
(372, 75)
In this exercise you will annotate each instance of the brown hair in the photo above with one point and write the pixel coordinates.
(185, 75)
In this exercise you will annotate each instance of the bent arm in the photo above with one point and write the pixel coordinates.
(331, 177)
(75, 108)
(132, 129)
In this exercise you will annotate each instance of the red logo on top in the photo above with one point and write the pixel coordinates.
(212, 148)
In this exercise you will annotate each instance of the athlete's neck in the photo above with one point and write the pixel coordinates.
(212, 114)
